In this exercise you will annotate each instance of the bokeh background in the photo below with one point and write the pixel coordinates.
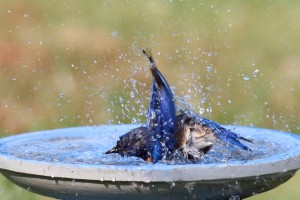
(78, 63)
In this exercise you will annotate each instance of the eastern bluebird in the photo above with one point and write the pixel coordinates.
(165, 133)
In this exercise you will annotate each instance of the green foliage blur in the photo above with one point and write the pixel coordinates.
(77, 63)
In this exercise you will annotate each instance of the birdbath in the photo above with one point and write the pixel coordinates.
(70, 164)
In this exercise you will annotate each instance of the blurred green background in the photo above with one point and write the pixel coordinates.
(77, 63)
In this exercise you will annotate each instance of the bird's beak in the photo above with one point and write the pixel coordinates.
(113, 150)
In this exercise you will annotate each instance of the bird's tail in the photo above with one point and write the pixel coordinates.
(161, 115)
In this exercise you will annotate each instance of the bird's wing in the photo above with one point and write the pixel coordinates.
(220, 132)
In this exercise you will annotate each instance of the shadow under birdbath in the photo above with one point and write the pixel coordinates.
(70, 164)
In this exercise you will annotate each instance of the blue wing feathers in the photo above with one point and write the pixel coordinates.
(224, 134)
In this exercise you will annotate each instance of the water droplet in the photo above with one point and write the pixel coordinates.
(246, 78)
(208, 110)
(255, 72)
(115, 34)
(201, 111)
(132, 94)
(134, 120)
(208, 68)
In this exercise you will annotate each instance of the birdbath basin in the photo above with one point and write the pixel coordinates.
(70, 164)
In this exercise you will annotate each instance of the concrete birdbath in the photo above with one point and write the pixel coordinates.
(70, 164)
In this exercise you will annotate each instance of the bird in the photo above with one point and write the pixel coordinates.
(168, 132)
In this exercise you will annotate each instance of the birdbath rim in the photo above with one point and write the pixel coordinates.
(143, 172)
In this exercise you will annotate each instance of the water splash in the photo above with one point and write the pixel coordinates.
(86, 145)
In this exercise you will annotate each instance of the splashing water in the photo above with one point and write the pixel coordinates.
(86, 146)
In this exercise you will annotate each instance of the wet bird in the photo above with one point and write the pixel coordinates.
(166, 134)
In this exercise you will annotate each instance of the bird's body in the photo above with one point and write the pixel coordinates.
(166, 133)
(137, 142)
(194, 138)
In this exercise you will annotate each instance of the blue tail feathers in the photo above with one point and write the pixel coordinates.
(161, 115)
